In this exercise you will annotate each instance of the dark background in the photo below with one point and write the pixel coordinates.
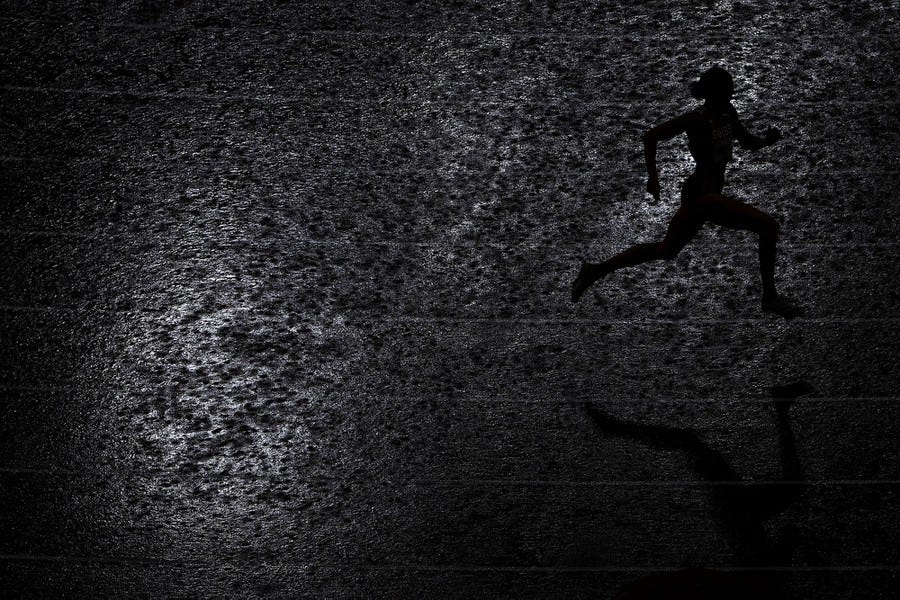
(285, 300)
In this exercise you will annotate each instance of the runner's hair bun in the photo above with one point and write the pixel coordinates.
(714, 81)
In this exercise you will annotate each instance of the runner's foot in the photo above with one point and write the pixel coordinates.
(588, 274)
(781, 305)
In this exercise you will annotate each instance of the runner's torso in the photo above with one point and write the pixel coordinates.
(710, 137)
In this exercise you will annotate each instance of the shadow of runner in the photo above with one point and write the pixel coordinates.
(741, 509)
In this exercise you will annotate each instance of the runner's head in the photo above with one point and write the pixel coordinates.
(714, 85)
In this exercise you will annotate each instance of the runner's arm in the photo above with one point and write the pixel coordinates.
(754, 142)
(652, 137)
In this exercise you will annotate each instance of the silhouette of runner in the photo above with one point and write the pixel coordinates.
(761, 553)
(710, 130)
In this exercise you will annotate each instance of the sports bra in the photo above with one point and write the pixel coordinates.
(710, 137)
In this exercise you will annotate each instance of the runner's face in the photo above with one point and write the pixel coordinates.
(722, 95)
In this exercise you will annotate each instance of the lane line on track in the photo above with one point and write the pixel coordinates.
(109, 236)
(349, 320)
(435, 568)
(276, 99)
(661, 483)
(337, 170)
(465, 31)
(762, 400)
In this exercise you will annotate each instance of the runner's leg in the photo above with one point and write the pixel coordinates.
(730, 213)
(682, 228)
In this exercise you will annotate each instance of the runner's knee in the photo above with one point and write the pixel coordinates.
(769, 228)
(668, 250)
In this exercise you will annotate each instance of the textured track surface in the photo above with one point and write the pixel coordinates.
(285, 301)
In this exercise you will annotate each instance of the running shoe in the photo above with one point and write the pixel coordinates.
(782, 306)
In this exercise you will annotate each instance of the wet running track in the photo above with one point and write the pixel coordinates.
(285, 301)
